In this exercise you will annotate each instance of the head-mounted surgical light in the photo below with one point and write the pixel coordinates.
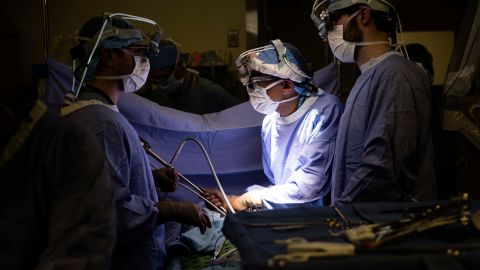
(322, 11)
(320, 18)
(251, 61)
(118, 38)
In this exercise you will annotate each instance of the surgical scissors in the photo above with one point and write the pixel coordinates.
(198, 189)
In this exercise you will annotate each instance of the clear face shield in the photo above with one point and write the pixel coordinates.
(252, 68)
(144, 43)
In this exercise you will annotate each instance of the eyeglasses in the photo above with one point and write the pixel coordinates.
(261, 81)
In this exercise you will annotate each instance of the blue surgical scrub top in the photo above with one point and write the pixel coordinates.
(384, 148)
(140, 241)
(298, 152)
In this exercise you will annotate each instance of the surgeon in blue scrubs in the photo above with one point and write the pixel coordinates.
(298, 131)
(119, 65)
(384, 148)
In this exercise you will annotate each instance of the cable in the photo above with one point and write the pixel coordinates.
(215, 252)
(228, 253)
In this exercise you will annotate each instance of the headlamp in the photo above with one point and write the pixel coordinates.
(248, 64)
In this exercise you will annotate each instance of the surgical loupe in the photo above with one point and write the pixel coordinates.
(195, 189)
(320, 20)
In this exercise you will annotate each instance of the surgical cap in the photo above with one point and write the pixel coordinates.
(90, 30)
(293, 56)
(166, 57)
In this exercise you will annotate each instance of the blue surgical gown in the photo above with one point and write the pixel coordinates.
(140, 241)
(298, 152)
(384, 149)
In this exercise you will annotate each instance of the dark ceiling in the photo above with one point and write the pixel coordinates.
(431, 15)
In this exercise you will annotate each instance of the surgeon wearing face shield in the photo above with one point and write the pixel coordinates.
(173, 85)
(298, 131)
(384, 148)
(113, 60)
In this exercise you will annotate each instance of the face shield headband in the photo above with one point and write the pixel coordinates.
(248, 62)
(106, 32)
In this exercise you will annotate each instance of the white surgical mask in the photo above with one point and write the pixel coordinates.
(342, 49)
(261, 102)
(136, 79)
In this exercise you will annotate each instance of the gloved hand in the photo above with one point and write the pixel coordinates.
(215, 197)
(166, 179)
(239, 203)
(183, 212)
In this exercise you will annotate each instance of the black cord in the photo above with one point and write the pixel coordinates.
(362, 216)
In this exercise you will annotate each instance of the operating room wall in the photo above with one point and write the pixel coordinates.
(196, 25)
(439, 44)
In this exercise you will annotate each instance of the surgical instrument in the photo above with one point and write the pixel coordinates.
(300, 250)
(150, 151)
(179, 149)
(373, 235)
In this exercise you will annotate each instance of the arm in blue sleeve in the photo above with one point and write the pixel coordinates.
(135, 214)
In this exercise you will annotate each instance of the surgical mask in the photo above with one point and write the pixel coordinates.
(260, 100)
(136, 79)
(344, 50)
(169, 84)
